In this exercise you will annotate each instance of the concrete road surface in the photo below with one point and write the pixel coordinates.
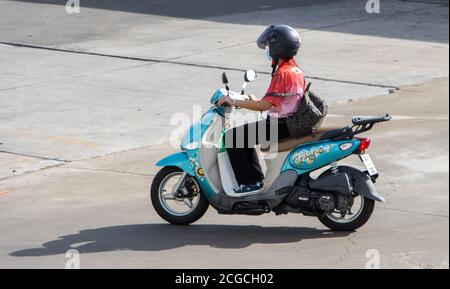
(86, 101)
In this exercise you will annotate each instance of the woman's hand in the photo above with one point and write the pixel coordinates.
(225, 99)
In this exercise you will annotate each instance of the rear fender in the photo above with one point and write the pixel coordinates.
(362, 183)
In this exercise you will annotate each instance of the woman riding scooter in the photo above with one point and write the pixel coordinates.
(341, 197)
(281, 100)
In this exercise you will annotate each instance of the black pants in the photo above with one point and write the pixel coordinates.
(241, 141)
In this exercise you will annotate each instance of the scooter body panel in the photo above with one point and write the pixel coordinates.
(200, 173)
(312, 156)
(193, 144)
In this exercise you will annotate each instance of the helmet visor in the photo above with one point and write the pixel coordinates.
(264, 38)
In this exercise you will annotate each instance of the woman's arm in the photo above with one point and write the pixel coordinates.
(256, 105)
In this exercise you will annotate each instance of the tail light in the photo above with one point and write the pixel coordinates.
(364, 144)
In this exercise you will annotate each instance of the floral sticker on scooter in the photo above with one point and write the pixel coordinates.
(196, 166)
(304, 156)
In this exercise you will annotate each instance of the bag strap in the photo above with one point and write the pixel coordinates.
(307, 87)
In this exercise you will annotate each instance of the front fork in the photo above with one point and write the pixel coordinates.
(181, 183)
(180, 191)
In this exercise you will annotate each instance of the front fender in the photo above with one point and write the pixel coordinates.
(362, 184)
(179, 160)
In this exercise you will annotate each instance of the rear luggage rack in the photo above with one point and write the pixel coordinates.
(363, 124)
(360, 125)
(358, 120)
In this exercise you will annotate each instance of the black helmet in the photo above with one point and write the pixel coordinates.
(283, 41)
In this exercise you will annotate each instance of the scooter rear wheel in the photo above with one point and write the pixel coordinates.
(172, 207)
(354, 223)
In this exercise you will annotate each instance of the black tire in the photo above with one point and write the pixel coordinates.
(366, 212)
(193, 216)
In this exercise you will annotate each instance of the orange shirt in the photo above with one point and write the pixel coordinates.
(286, 89)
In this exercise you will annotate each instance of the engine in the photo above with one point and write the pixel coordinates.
(317, 196)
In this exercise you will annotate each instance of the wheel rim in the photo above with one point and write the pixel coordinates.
(177, 206)
(338, 218)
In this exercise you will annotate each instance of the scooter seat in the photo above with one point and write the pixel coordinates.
(290, 143)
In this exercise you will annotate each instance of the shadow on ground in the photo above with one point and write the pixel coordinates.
(211, 9)
(157, 237)
(191, 9)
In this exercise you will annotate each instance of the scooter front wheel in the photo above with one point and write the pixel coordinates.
(176, 197)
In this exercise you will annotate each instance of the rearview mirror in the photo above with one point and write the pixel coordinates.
(250, 75)
(225, 82)
(224, 78)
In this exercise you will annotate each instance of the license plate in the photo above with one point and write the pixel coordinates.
(369, 165)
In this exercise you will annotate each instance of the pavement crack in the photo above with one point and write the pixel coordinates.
(31, 171)
(354, 82)
(36, 157)
(171, 61)
(351, 239)
(211, 50)
(344, 254)
(76, 76)
(109, 171)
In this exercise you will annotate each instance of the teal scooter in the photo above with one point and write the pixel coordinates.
(341, 197)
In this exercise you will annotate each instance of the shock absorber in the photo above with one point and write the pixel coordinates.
(334, 168)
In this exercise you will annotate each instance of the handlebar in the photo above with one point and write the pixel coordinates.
(234, 95)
